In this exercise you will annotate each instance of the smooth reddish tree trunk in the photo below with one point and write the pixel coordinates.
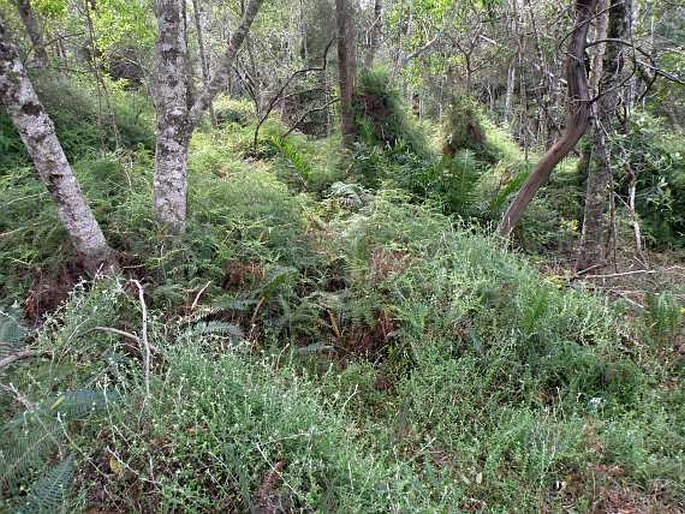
(578, 118)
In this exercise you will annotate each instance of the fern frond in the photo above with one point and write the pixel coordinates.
(49, 493)
(349, 195)
(315, 348)
(25, 449)
(80, 402)
(30, 437)
(513, 185)
(12, 330)
(232, 304)
(214, 327)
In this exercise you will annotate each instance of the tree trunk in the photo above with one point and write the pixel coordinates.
(376, 30)
(595, 237)
(509, 95)
(578, 118)
(224, 66)
(38, 134)
(33, 29)
(171, 102)
(177, 117)
(346, 72)
(203, 56)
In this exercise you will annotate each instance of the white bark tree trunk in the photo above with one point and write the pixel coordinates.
(171, 103)
(177, 116)
(38, 134)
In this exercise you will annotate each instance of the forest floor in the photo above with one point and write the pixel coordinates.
(313, 344)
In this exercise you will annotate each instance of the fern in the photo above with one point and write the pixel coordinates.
(278, 278)
(503, 195)
(349, 195)
(49, 493)
(31, 437)
(81, 402)
(458, 181)
(290, 152)
(233, 304)
(26, 444)
(214, 327)
(12, 330)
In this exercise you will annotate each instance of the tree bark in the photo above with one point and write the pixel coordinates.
(222, 74)
(509, 95)
(173, 124)
(578, 118)
(376, 31)
(177, 117)
(203, 56)
(38, 134)
(346, 72)
(595, 236)
(34, 31)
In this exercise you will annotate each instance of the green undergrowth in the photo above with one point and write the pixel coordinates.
(86, 118)
(333, 333)
(362, 355)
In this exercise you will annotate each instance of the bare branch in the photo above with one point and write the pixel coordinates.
(26, 354)
(143, 339)
(285, 85)
(220, 79)
(306, 114)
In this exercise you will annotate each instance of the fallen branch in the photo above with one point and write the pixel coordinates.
(26, 354)
(623, 274)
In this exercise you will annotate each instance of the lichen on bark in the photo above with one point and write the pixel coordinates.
(38, 134)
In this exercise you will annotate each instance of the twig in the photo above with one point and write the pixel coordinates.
(631, 302)
(624, 274)
(256, 310)
(26, 354)
(18, 396)
(197, 296)
(587, 270)
(118, 332)
(310, 111)
(153, 349)
(280, 92)
(144, 341)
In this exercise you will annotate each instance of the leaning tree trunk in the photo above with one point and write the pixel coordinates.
(38, 134)
(596, 233)
(176, 116)
(34, 31)
(577, 123)
(346, 72)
